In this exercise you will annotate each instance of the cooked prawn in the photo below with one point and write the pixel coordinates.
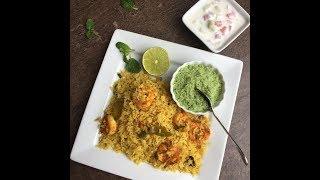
(198, 132)
(111, 126)
(144, 96)
(180, 119)
(167, 153)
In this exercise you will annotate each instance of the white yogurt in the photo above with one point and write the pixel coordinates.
(215, 21)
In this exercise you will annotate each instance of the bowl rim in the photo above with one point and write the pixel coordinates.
(185, 19)
(174, 76)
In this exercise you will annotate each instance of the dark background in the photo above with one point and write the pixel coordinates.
(160, 19)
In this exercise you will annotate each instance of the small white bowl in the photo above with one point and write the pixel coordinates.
(174, 76)
(243, 23)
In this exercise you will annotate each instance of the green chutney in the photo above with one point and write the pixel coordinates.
(198, 76)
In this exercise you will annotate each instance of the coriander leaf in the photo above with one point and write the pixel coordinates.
(90, 29)
(125, 59)
(89, 34)
(123, 48)
(128, 5)
(90, 25)
(133, 66)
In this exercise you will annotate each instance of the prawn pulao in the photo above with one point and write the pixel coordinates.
(143, 122)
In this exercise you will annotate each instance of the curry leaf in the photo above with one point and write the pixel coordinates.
(159, 131)
(162, 131)
(142, 134)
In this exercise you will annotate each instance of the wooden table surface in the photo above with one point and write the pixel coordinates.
(160, 19)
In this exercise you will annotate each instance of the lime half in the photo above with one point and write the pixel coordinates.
(156, 61)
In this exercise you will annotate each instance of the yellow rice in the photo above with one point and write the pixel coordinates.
(161, 112)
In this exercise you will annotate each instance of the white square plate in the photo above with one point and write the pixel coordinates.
(242, 23)
(84, 149)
